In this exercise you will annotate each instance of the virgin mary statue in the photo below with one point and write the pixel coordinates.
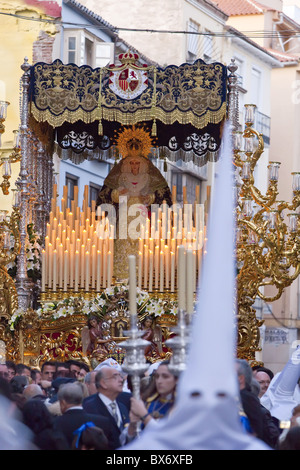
(132, 186)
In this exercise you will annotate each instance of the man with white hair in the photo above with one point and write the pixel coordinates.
(33, 391)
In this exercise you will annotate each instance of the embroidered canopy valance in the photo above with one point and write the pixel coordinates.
(183, 106)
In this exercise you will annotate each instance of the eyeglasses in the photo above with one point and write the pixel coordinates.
(114, 376)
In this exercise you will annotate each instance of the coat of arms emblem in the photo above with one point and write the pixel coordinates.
(131, 80)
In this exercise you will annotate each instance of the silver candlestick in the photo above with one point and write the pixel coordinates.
(134, 362)
(179, 343)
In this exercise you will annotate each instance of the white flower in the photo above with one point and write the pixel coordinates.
(110, 291)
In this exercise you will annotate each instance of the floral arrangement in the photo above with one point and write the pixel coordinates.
(110, 301)
(15, 318)
(33, 254)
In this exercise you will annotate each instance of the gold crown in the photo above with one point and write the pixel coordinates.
(134, 139)
(128, 58)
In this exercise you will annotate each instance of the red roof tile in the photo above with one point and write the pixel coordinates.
(242, 7)
(283, 56)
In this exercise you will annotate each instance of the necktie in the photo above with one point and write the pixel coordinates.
(113, 406)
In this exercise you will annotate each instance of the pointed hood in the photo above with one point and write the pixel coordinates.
(206, 412)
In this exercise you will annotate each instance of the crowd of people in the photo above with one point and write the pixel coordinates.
(69, 406)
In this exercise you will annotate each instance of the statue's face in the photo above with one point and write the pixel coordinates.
(134, 148)
(135, 166)
(148, 323)
(93, 322)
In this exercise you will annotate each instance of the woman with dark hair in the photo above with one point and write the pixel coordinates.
(39, 420)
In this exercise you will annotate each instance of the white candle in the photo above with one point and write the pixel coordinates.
(99, 269)
(172, 271)
(87, 271)
(140, 273)
(104, 263)
(156, 265)
(161, 272)
(132, 285)
(181, 277)
(50, 264)
(94, 265)
(82, 260)
(61, 265)
(71, 273)
(44, 271)
(66, 270)
(146, 266)
(76, 277)
(150, 271)
(189, 282)
(167, 267)
(109, 269)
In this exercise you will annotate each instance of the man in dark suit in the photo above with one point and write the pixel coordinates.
(73, 416)
(109, 384)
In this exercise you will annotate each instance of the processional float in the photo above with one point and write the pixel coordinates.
(82, 113)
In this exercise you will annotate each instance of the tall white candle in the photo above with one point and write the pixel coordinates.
(87, 271)
(50, 264)
(44, 270)
(156, 266)
(71, 255)
(172, 271)
(77, 272)
(82, 270)
(108, 269)
(61, 265)
(181, 276)
(94, 266)
(104, 262)
(99, 270)
(146, 266)
(167, 267)
(150, 271)
(132, 285)
(66, 270)
(189, 281)
(140, 271)
(161, 272)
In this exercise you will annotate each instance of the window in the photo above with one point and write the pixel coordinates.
(104, 54)
(88, 52)
(71, 52)
(255, 86)
(93, 192)
(177, 181)
(71, 182)
(208, 45)
(83, 48)
(192, 41)
(191, 184)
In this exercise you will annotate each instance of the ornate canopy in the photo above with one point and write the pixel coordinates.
(183, 106)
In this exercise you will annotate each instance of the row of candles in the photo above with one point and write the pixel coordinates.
(185, 293)
(79, 247)
(164, 233)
